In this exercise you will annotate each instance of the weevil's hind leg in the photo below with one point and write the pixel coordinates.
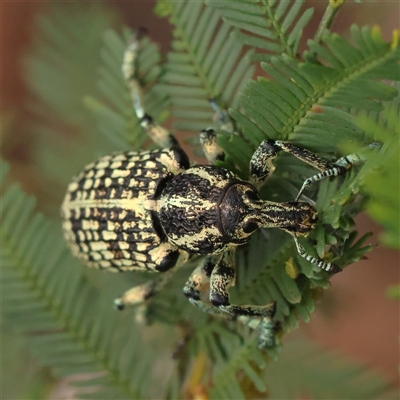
(329, 267)
(158, 134)
(261, 162)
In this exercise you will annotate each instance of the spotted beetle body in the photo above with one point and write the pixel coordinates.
(108, 216)
(152, 210)
(148, 210)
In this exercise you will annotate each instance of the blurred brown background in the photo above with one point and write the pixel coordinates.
(355, 317)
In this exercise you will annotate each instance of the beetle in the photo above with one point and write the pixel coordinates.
(152, 211)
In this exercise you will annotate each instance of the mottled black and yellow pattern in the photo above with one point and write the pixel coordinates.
(152, 210)
(109, 211)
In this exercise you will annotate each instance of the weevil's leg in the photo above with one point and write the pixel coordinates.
(208, 137)
(167, 261)
(268, 330)
(212, 150)
(138, 294)
(198, 278)
(327, 169)
(355, 158)
(222, 277)
(261, 165)
(329, 267)
(157, 133)
(340, 167)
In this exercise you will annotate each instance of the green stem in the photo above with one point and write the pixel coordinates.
(328, 18)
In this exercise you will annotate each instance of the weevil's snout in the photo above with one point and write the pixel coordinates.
(291, 216)
(305, 217)
(242, 212)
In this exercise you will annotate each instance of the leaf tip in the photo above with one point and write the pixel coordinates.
(291, 268)
(377, 33)
(395, 40)
(163, 8)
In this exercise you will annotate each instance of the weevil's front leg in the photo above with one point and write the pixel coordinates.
(261, 162)
(222, 277)
(157, 133)
(327, 169)
(220, 270)
(340, 167)
(329, 267)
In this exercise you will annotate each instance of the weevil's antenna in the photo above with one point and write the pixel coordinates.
(329, 267)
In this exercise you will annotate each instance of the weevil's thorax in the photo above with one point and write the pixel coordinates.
(195, 213)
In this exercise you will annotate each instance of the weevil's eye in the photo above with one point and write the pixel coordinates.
(251, 195)
(249, 227)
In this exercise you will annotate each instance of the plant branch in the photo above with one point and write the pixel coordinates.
(328, 18)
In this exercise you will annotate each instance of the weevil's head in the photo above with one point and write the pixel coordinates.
(243, 212)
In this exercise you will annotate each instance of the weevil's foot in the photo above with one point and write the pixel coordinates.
(119, 304)
(268, 334)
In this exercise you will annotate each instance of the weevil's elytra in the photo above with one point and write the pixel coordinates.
(109, 211)
(152, 210)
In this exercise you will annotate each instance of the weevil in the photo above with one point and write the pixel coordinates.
(153, 211)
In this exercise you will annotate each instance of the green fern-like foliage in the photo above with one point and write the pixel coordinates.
(193, 69)
(384, 205)
(70, 326)
(313, 100)
(268, 25)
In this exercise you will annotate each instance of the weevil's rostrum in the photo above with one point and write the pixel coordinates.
(153, 210)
